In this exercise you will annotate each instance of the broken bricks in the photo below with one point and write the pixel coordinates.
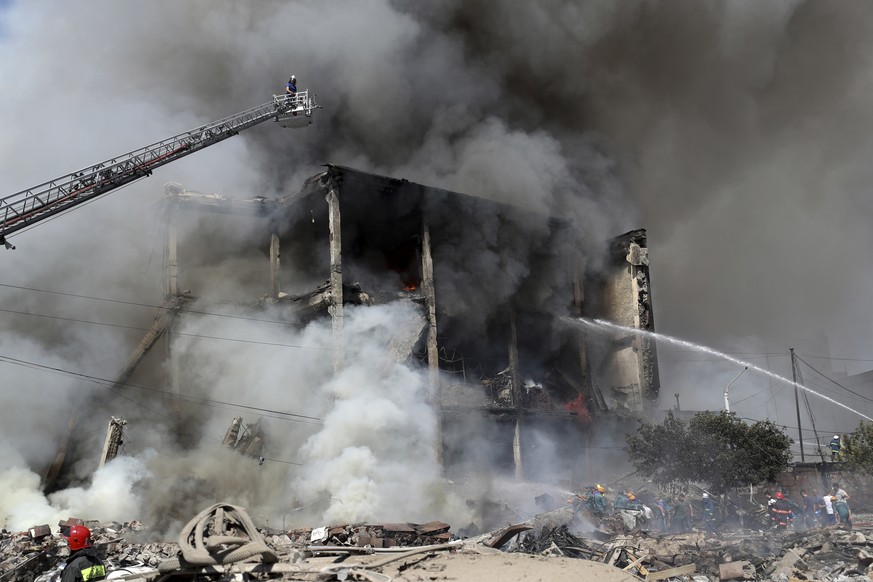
(38, 532)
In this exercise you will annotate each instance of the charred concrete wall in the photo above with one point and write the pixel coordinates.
(630, 368)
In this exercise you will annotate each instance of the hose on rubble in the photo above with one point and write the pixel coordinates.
(332, 569)
(198, 549)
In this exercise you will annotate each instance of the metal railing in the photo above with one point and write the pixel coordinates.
(296, 103)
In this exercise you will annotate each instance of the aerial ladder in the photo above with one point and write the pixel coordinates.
(26, 208)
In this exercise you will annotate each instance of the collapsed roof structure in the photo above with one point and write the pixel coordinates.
(497, 288)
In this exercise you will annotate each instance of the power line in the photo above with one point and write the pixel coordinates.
(150, 306)
(841, 359)
(201, 336)
(787, 426)
(835, 382)
(108, 384)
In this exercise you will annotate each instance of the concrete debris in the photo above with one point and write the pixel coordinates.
(736, 570)
(507, 534)
(386, 535)
(394, 551)
(828, 554)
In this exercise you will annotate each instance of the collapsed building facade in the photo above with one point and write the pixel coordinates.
(498, 288)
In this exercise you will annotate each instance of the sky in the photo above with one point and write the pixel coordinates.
(736, 133)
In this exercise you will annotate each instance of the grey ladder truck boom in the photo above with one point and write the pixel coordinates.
(28, 207)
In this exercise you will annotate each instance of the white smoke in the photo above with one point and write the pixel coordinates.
(112, 495)
(376, 454)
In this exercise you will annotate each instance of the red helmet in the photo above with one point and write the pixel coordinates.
(780, 495)
(79, 537)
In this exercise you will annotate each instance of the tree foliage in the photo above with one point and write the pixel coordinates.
(716, 448)
(857, 448)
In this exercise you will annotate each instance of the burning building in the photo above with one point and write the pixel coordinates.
(497, 288)
(493, 293)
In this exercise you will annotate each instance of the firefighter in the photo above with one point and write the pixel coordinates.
(291, 89)
(598, 499)
(709, 517)
(780, 512)
(836, 446)
(622, 500)
(83, 565)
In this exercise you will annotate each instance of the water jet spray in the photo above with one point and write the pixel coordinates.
(606, 325)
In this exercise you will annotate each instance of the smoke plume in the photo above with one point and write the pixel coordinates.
(734, 132)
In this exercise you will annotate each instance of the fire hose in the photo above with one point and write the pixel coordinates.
(209, 553)
(199, 549)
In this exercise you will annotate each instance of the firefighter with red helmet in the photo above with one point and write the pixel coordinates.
(780, 512)
(83, 565)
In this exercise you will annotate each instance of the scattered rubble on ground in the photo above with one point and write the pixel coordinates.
(408, 551)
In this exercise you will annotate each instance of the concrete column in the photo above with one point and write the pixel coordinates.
(427, 287)
(171, 264)
(429, 291)
(638, 340)
(516, 396)
(174, 403)
(336, 277)
(274, 264)
(172, 293)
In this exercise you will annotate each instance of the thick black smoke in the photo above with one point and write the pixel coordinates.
(735, 132)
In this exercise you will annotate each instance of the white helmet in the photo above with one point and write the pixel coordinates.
(836, 436)
(706, 495)
(293, 78)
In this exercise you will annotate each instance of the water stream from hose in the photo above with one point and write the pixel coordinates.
(606, 325)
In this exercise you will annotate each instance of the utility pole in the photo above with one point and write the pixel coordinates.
(797, 404)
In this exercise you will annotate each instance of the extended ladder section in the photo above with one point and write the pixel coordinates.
(22, 209)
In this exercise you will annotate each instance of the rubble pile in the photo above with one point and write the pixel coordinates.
(24, 556)
(829, 554)
(389, 551)
(386, 535)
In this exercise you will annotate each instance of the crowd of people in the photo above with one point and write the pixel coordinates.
(668, 514)
(677, 514)
(831, 508)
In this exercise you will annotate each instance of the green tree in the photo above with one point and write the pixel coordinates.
(715, 448)
(657, 450)
(857, 448)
